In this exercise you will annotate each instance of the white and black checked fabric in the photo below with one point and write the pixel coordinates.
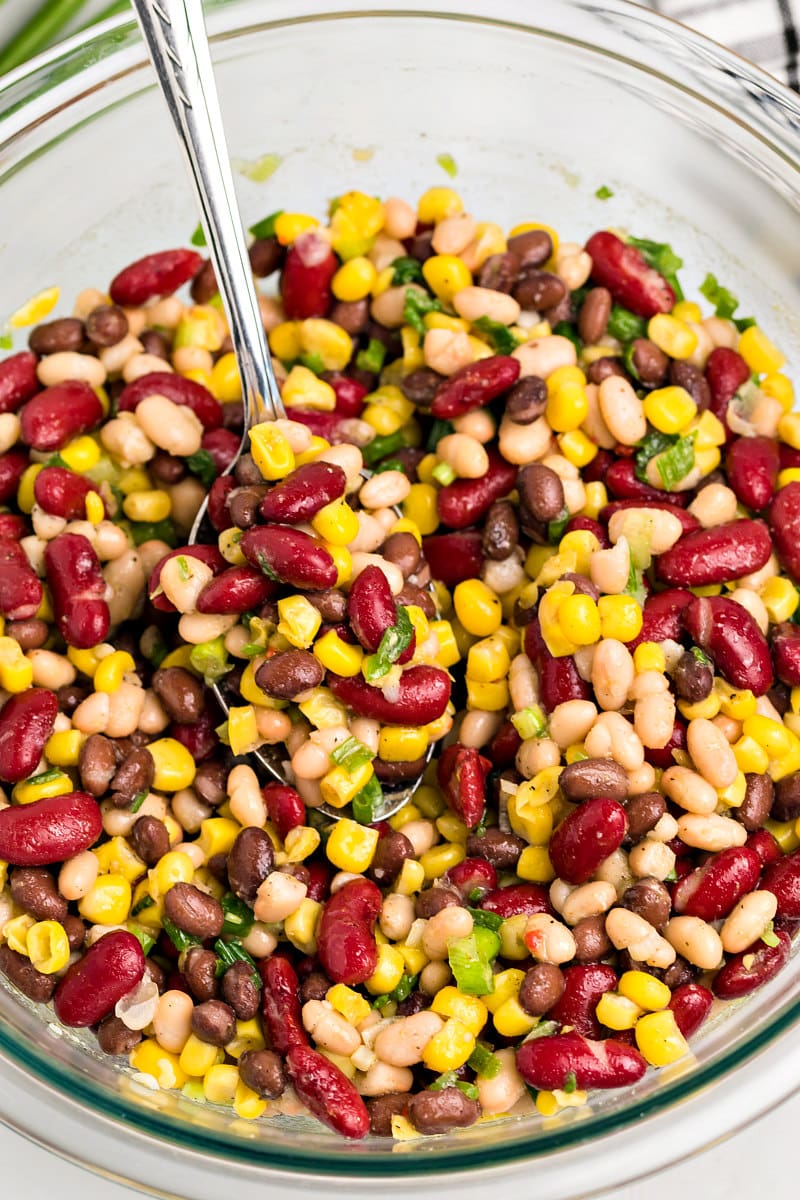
(765, 31)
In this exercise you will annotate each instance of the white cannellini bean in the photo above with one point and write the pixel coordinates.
(549, 940)
(622, 410)
(628, 931)
(662, 528)
(401, 1043)
(588, 900)
(610, 570)
(748, 921)
(385, 489)
(500, 1094)
(543, 355)
(612, 674)
(689, 790)
(571, 721)
(473, 303)
(278, 897)
(711, 753)
(712, 832)
(697, 941)
(171, 427)
(182, 579)
(521, 444)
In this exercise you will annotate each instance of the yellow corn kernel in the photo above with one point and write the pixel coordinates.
(707, 709)
(428, 800)
(779, 768)
(535, 825)
(63, 749)
(337, 655)
(477, 607)
(383, 282)
(301, 926)
(706, 461)
(437, 320)
(535, 866)
(759, 352)
(579, 619)
(414, 957)
(382, 418)
(772, 736)
(16, 932)
(687, 310)
(117, 857)
(111, 671)
(81, 454)
(788, 432)
(252, 693)
(452, 828)
(402, 743)
(469, 1010)
(648, 656)
(323, 710)
(353, 1007)
(512, 937)
(289, 226)
(578, 449)
(336, 523)
(645, 990)
(785, 834)
(217, 835)
(446, 275)
(339, 786)
(108, 902)
(247, 1104)
(226, 382)
(298, 621)
(174, 867)
(401, 818)
(174, 766)
(39, 787)
(437, 203)
(579, 545)
(750, 757)
(95, 509)
(488, 660)
(620, 617)
(672, 336)
(733, 795)
(197, 1058)
(243, 735)
(327, 341)
(342, 560)
(16, 672)
(388, 972)
(617, 1012)
(487, 697)
(354, 224)
(780, 598)
(248, 1036)
(300, 843)
(776, 385)
(48, 947)
(441, 858)
(316, 447)
(354, 280)
(410, 879)
(221, 1083)
(450, 1048)
(152, 505)
(669, 409)
(506, 985)
(25, 495)
(426, 468)
(567, 405)
(148, 1058)
(284, 341)
(351, 847)
(271, 451)
(448, 654)
(419, 506)
(659, 1039)
(35, 309)
(511, 1020)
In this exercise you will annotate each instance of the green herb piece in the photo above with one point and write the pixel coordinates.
(138, 800)
(555, 529)
(470, 961)
(147, 531)
(222, 733)
(443, 473)
(529, 722)
(145, 902)
(372, 358)
(45, 776)
(485, 919)
(388, 464)
(198, 238)
(701, 656)
(450, 1079)
(725, 303)
(238, 916)
(499, 335)
(230, 952)
(37, 34)
(603, 193)
(628, 356)
(672, 877)
(480, 828)
(381, 446)
(676, 463)
(625, 325)
(382, 1001)
(543, 1029)
(202, 465)
(417, 305)
(743, 323)
(570, 1083)
(265, 228)
(143, 937)
(448, 164)
(183, 568)
(313, 362)
(266, 568)
(365, 803)
(404, 988)
(567, 329)
(663, 259)
(439, 429)
(180, 940)
(158, 650)
(55, 460)
(210, 659)
(406, 270)
(352, 754)
(653, 443)
(483, 1062)
(395, 640)
(769, 936)
(257, 170)
(476, 894)
(6, 341)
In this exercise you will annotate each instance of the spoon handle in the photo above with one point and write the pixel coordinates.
(175, 34)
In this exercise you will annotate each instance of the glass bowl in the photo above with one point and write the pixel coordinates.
(539, 106)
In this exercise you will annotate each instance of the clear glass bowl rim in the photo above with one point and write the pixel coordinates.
(76, 56)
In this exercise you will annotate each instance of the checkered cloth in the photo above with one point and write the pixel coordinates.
(765, 31)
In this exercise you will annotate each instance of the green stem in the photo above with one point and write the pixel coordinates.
(113, 10)
(43, 27)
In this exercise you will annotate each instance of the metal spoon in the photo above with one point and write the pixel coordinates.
(175, 35)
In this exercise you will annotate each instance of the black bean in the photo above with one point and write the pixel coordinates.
(331, 605)
(135, 774)
(262, 1071)
(243, 505)
(693, 679)
(649, 362)
(411, 594)
(29, 635)
(436, 1112)
(391, 852)
(757, 803)
(538, 290)
(214, 1022)
(403, 550)
(683, 374)
(540, 491)
(381, 1109)
(644, 812)
(594, 314)
(106, 325)
(199, 971)
(97, 763)
(527, 400)
(209, 783)
(591, 940)
(314, 987)
(246, 473)
(166, 468)
(266, 255)
(351, 315)
(20, 971)
(420, 386)
(150, 839)
(289, 674)
(154, 342)
(180, 692)
(240, 992)
(114, 1037)
(499, 273)
(194, 911)
(601, 368)
(204, 284)
(649, 898)
(428, 903)
(500, 849)
(65, 333)
(388, 771)
(500, 531)
(542, 987)
(75, 931)
(250, 860)
(34, 889)
(414, 1003)
(531, 249)
(786, 804)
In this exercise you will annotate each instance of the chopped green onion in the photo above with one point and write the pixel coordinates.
(55, 460)
(725, 303)
(448, 164)
(148, 531)
(395, 640)
(230, 952)
(627, 357)
(450, 1079)
(499, 335)
(484, 1063)
(48, 776)
(202, 465)
(635, 585)
(222, 733)
(313, 362)
(198, 238)
(470, 961)
(486, 919)
(258, 170)
(238, 915)
(365, 803)
(769, 937)
(570, 1083)
(543, 1029)
(404, 988)
(653, 443)
(210, 659)
(143, 937)
(388, 464)
(701, 656)
(625, 325)
(676, 463)
(382, 1001)
(372, 358)
(266, 568)
(663, 259)
(439, 429)
(265, 228)
(530, 722)
(352, 754)
(145, 902)
(567, 329)
(743, 323)
(382, 446)
(443, 473)
(417, 305)
(555, 529)
(476, 894)
(406, 270)
(180, 940)
(6, 341)
(603, 193)
(138, 800)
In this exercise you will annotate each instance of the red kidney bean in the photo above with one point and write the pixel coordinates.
(78, 590)
(461, 773)
(765, 846)
(327, 1093)
(280, 1004)
(783, 880)
(345, 941)
(350, 395)
(785, 642)
(586, 837)
(475, 385)
(289, 555)
(235, 590)
(319, 881)
(179, 390)
(716, 555)
(423, 695)
(622, 269)
(371, 610)
(20, 589)
(26, 722)
(503, 747)
(733, 639)
(306, 277)
(63, 493)
(285, 807)
(789, 457)
(784, 522)
(200, 738)
(752, 465)
(322, 424)
(621, 481)
(691, 1004)
(662, 616)
(548, 1062)
(584, 984)
(726, 371)
(518, 898)
(454, 557)
(712, 890)
(13, 465)
(470, 874)
(662, 758)
(467, 500)
(154, 275)
(109, 969)
(18, 380)
(12, 527)
(591, 526)
(558, 677)
(689, 522)
(209, 555)
(223, 446)
(58, 414)
(301, 495)
(218, 508)
(755, 966)
(49, 830)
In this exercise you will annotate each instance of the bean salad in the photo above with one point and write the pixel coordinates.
(530, 531)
